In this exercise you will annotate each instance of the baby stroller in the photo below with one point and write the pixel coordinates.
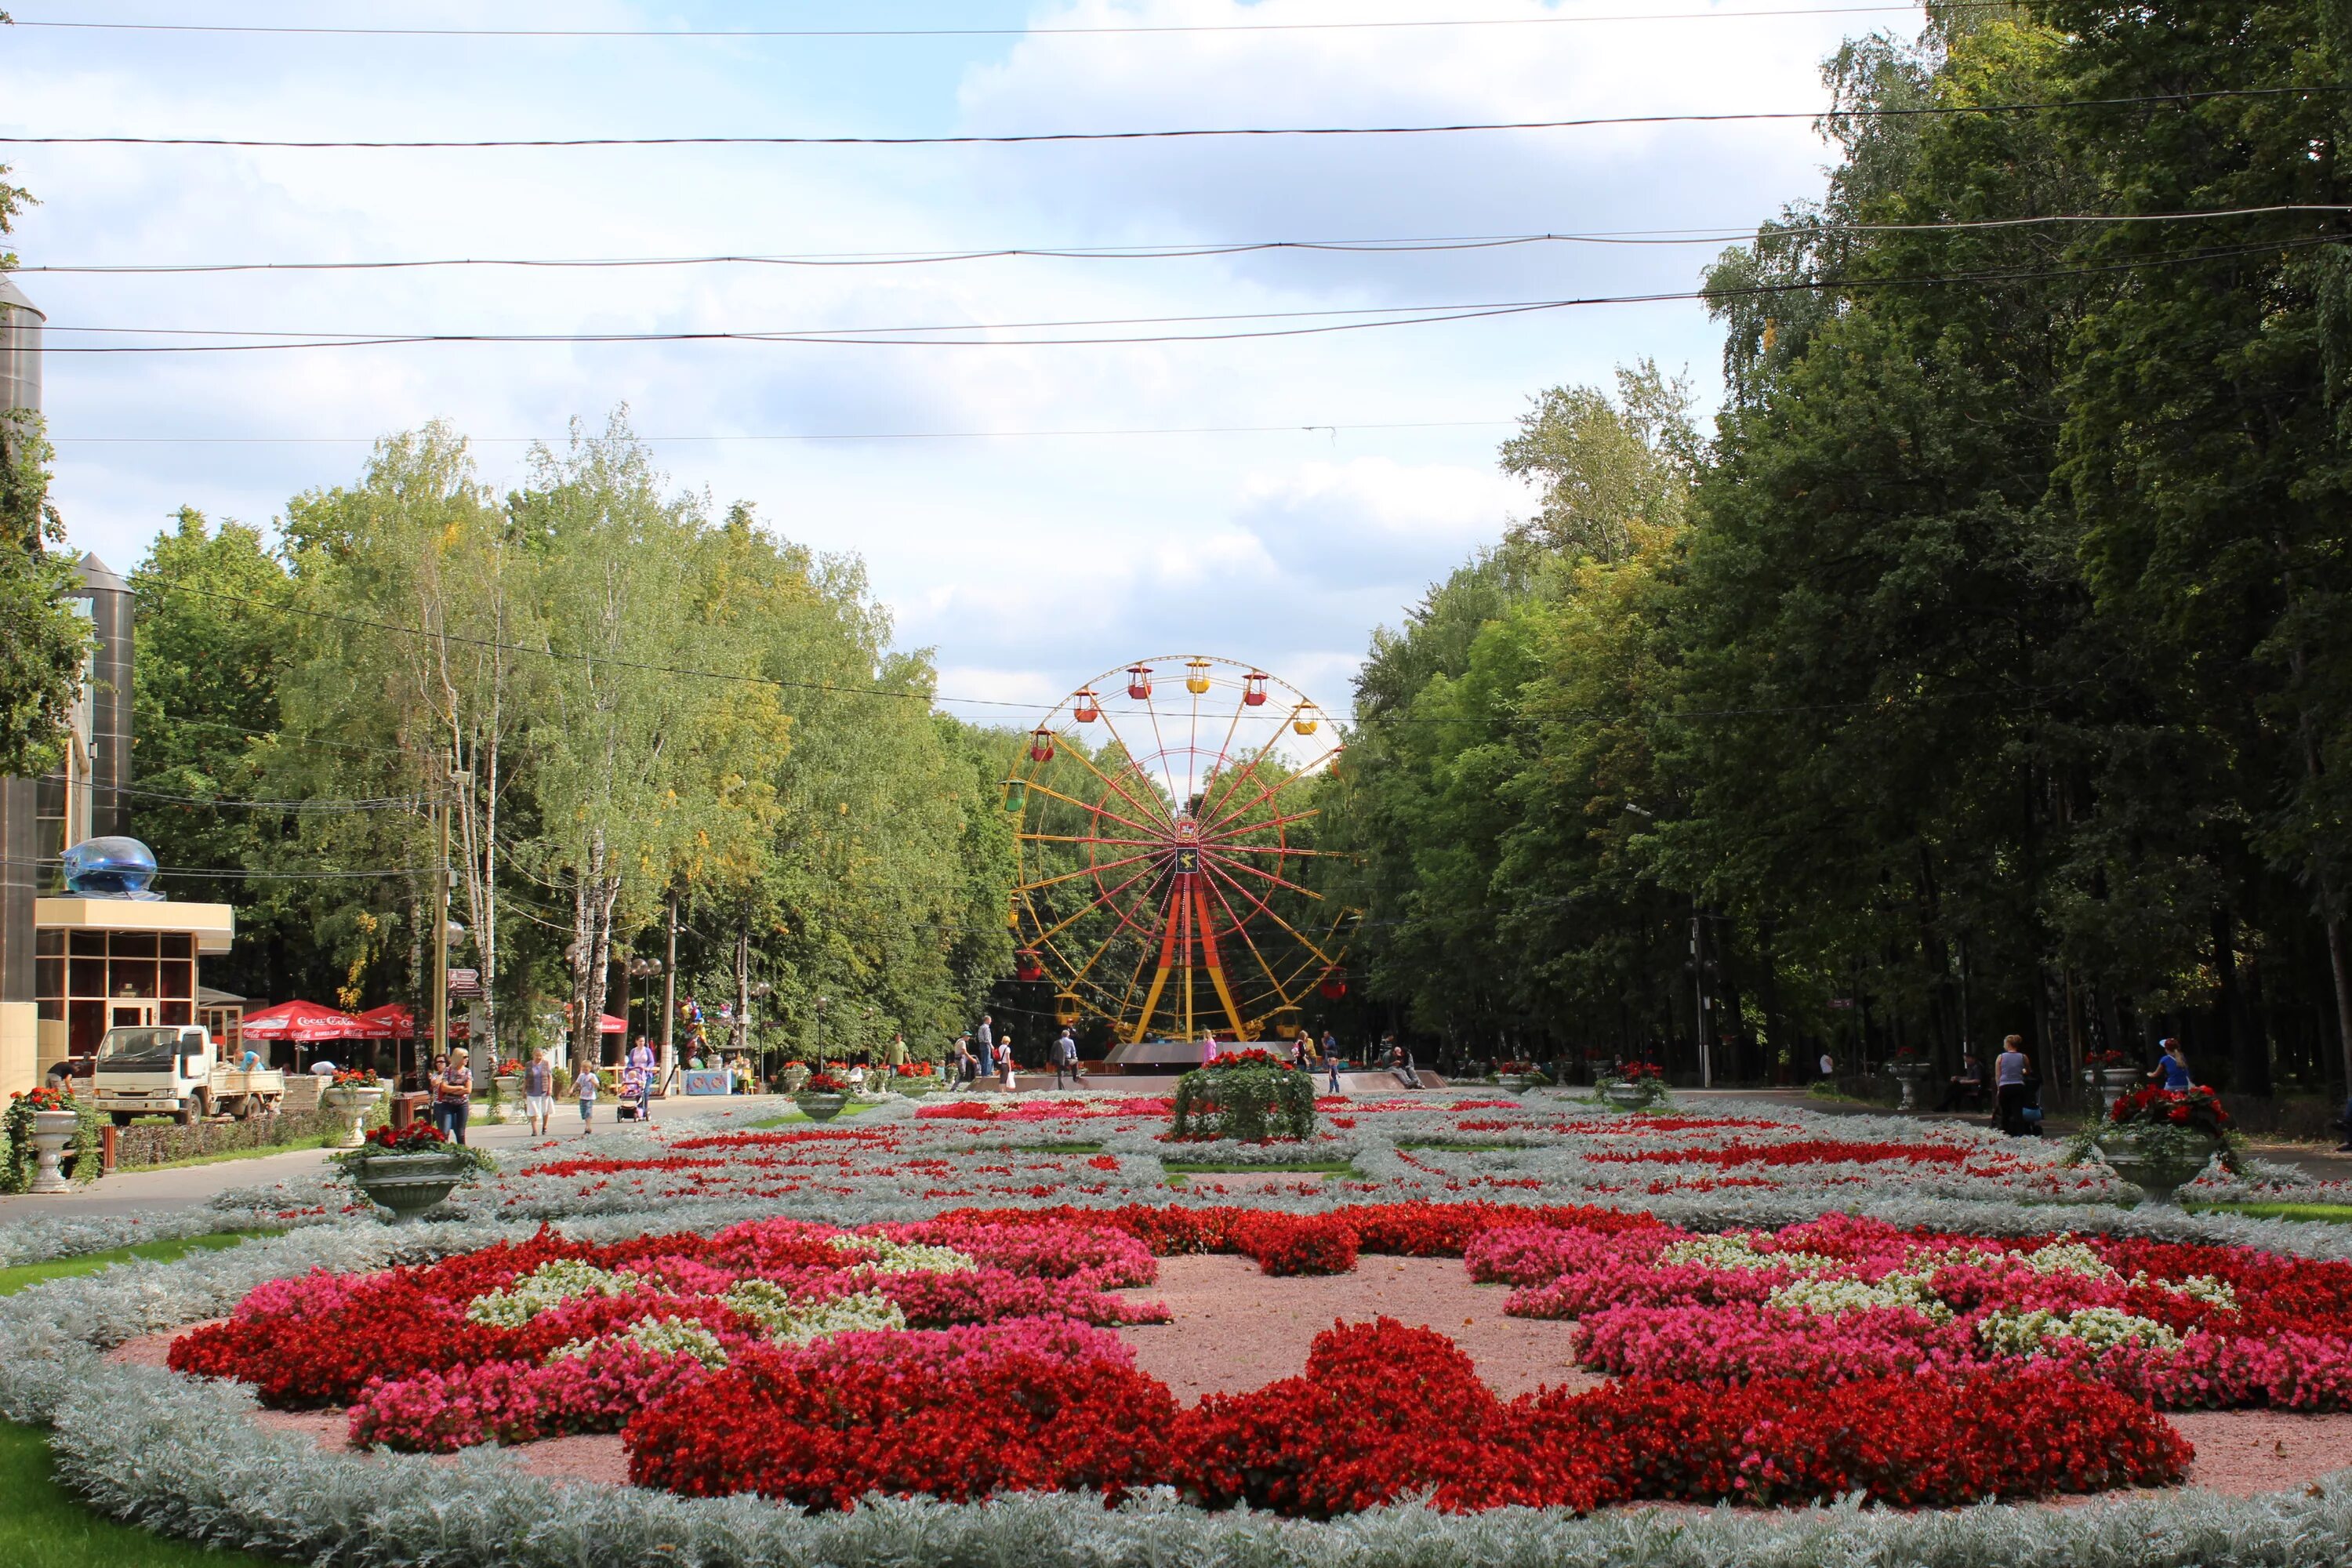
(633, 1089)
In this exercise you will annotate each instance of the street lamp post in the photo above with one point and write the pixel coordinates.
(757, 990)
(820, 1034)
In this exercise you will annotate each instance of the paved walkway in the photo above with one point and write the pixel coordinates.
(185, 1186)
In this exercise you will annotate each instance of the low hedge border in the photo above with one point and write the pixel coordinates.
(146, 1445)
(137, 1147)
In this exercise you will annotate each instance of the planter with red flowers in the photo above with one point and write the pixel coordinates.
(43, 1123)
(354, 1093)
(1637, 1086)
(411, 1169)
(2160, 1140)
(1518, 1078)
(821, 1096)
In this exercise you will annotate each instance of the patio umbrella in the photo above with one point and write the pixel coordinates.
(306, 1023)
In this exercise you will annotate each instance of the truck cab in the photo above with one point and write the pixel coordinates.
(175, 1069)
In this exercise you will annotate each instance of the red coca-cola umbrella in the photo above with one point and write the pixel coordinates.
(308, 1023)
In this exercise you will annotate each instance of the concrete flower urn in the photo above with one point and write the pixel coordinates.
(2158, 1170)
(353, 1102)
(795, 1075)
(2111, 1084)
(1627, 1094)
(1516, 1082)
(821, 1107)
(408, 1185)
(52, 1131)
(1908, 1077)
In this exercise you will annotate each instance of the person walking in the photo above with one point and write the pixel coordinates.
(897, 1052)
(1208, 1047)
(1302, 1051)
(1065, 1059)
(1331, 1060)
(2172, 1067)
(1005, 1062)
(584, 1086)
(453, 1094)
(641, 1058)
(2009, 1074)
(1966, 1085)
(538, 1093)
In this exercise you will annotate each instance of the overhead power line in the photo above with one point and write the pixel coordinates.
(1044, 30)
(842, 436)
(1719, 235)
(1397, 316)
(1198, 133)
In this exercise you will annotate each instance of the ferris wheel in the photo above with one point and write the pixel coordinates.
(1167, 839)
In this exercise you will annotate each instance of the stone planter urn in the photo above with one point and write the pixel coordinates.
(408, 1185)
(1516, 1082)
(52, 1131)
(795, 1075)
(821, 1107)
(2157, 1170)
(1627, 1094)
(353, 1102)
(920, 1084)
(2111, 1084)
(1908, 1077)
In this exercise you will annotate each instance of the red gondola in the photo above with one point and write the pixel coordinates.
(1138, 682)
(1041, 745)
(1026, 965)
(1334, 985)
(1086, 710)
(1254, 689)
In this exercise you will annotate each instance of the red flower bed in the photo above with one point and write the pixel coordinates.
(825, 1436)
(1381, 1412)
(1399, 1230)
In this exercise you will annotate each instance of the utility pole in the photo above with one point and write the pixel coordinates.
(441, 929)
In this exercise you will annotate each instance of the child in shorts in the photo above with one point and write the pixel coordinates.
(586, 1089)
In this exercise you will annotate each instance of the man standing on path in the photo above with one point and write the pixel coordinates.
(1065, 1059)
(984, 1040)
(641, 1058)
(538, 1093)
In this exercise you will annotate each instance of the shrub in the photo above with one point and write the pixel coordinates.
(1251, 1102)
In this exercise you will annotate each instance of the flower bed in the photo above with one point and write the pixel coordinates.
(965, 1357)
(2185, 1327)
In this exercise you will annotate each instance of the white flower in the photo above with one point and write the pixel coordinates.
(888, 1257)
(2100, 1327)
(550, 1285)
(1738, 1249)
(1823, 1297)
(790, 1321)
(659, 1336)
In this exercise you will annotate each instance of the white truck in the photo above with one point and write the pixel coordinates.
(175, 1069)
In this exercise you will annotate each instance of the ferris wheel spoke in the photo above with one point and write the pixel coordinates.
(1231, 837)
(1089, 805)
(1219, 857)
(1267, 911)
(1082, 871)
(1105, 897)
(1225, 745)
(1275, 789)
(1158, 808)
(1236, 783)
(1241, 928)
(1088, 838)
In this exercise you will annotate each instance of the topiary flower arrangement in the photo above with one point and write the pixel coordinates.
(1252, 1096)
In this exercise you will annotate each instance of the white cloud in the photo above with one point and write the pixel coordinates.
(1030, 563)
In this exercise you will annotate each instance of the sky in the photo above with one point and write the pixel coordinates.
(1271, 499)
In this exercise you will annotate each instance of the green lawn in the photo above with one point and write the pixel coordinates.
(1177, 1170)
(2337, 1213)
(794, 1119)
(42, 1526)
